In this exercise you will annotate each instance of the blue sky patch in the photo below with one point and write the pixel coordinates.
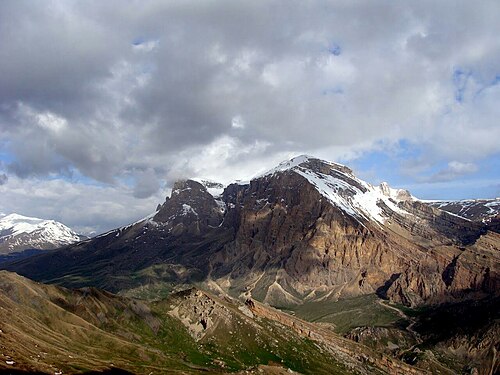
(460, 79)
(335, 49)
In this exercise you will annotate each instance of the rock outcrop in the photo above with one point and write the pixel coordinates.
(190, 209)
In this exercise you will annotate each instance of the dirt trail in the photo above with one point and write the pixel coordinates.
(412, 321)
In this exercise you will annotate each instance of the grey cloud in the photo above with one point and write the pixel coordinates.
(453, 171)
(146, 184)
(51, 57)
(272, 64)
(3, 179)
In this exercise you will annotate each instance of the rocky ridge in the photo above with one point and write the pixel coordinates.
(486, 211)
(204, 315)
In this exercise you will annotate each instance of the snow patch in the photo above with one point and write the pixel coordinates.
(145, 220)
(241, 182)
(214, 188)
(186, 209)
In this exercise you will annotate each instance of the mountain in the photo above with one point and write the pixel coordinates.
(305, 267)
(486, 211)
(50, 329)
(18, 233)
(307, 231)
(11, 257)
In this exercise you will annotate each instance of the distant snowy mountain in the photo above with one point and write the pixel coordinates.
(18, 233)
(472, 209)
(486, 211)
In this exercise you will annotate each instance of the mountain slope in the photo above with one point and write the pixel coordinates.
(51, 329)
(56, 330)
(18, 233)
(312, 230)
(308, 230)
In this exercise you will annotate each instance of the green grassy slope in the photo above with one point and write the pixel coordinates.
(349, 313)
(49, 329)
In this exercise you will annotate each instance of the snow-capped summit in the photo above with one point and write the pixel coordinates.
(343, 189)
(298, 161)
(18, 232)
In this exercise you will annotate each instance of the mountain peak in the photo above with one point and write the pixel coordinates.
(306, 162)
(18, 232)
(184, 186)
(190, 207)
(13, 217)
(338, 184)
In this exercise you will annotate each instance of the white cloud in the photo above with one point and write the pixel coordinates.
(237, 122)
(458, 167)
(225, 159)
(85, 208)
(51, 122)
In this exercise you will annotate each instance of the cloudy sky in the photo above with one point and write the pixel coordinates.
(104, 104)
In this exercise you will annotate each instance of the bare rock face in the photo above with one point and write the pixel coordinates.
(190, 209)
(292, 244)
(198, 312)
